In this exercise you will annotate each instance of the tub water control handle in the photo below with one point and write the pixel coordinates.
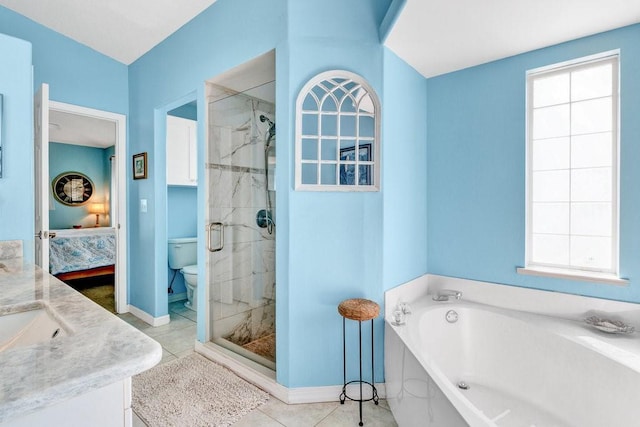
(210, 228)
(406, 309)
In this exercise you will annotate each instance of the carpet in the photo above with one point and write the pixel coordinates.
(193, 391)
(102, 295)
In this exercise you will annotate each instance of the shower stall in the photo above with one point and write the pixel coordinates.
(241, 223)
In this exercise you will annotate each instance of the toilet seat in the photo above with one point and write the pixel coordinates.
(190, 269)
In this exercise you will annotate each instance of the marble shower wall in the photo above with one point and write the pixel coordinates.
(242, 288)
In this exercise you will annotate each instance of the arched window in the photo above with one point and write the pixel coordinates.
(337, 134)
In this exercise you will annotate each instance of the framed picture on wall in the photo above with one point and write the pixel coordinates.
(140, 166)
(347, 172)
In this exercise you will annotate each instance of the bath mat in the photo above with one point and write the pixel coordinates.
(193, 391)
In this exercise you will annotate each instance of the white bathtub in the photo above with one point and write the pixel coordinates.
(522, 369)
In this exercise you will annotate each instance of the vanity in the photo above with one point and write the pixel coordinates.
(64, 360)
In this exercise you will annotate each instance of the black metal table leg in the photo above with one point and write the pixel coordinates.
(359, 310)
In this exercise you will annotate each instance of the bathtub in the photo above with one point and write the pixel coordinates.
(518, 369)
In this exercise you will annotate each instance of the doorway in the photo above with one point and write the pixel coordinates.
(182, 208)
(82, 145)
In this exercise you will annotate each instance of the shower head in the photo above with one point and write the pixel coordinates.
(264, 118)
(272, 128)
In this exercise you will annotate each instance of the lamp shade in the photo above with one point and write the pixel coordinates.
(96, 208)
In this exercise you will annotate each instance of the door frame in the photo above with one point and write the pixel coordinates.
(119, 217)
(41, 176)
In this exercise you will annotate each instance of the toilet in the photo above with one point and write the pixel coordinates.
(183, 256)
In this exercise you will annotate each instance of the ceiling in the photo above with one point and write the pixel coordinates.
(439, 36)
(121, 29)
(76, 129)
(254, 78)
(433, 36)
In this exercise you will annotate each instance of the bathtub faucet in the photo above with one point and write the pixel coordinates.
(445, 294)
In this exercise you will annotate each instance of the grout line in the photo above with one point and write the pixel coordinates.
(327, 416)
(269, 416)
(139, 418)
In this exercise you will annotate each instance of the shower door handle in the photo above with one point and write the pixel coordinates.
(210, 228)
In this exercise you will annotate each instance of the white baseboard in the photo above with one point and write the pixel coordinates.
(329, 393)
(265, 379)
(146, 317)
(177, 297)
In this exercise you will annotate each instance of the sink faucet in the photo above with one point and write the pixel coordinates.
(444, 294)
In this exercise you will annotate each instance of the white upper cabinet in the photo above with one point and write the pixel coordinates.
(182, 157)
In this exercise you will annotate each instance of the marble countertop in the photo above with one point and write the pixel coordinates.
(97, 350)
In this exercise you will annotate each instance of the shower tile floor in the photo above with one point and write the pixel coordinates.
(177, 338)
(265, 347)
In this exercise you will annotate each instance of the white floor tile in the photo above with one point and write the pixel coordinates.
(137, 422)
(303, 415)
(177, 340)
(257, 419)
(347, 415)
(166, 357)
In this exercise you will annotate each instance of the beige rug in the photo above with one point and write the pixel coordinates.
(193, 391)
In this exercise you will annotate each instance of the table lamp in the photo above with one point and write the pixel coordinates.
(97, 208)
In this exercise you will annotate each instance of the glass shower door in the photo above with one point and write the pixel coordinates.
(241, 249)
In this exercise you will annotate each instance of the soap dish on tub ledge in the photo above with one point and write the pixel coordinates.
(609, 326)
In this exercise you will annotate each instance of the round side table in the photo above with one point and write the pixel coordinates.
(360, 310)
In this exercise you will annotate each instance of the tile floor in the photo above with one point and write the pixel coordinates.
(177, 338)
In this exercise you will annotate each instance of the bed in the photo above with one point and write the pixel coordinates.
(82, 253)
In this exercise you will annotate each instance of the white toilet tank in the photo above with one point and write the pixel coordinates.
(183, 252)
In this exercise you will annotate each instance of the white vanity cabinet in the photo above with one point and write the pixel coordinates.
(108, 406)
(182, 154)
(76, 379)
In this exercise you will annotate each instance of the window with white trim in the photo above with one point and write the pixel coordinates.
(337, 134)
(572, 166)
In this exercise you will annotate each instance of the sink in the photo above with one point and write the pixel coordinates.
(23, 326)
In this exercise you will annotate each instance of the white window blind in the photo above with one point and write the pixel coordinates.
(572, 165)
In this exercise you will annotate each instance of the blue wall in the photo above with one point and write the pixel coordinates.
(177, 68)
(335, 244)
(76, 74)
(329, 245)
(476, 167)
(16, 184)
(405, 178)
(182, 215)
(89, 161)
(186, 111)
